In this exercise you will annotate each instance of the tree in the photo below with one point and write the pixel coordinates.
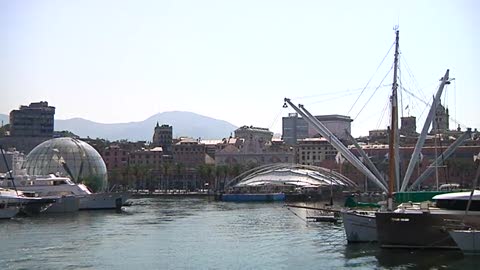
(116, 179)
(166, 167)
(94, 182)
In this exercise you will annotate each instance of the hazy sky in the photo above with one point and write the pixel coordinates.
(120, 61)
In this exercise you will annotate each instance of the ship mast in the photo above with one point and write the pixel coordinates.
(393, 137)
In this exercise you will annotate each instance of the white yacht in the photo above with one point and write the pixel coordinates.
(70, 196)
(14, 201)
(8, 207)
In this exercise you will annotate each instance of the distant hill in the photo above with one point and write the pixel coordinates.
(184, 124)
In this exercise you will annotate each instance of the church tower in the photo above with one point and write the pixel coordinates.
(440, 123)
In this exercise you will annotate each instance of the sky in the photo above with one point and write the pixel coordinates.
(114, 61)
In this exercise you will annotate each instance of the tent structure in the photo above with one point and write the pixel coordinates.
(286, 174)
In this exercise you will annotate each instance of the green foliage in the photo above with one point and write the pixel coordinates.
(4, 129)
(94, 182)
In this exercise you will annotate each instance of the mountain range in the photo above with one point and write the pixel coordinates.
(184, 124)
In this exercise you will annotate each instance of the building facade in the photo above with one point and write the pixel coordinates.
(313, 151)
(252, 146)
(35, 120)
(163, 136)
(295, 128)
(408, 126)
(189, 152)
(115, 157)
(150, 158)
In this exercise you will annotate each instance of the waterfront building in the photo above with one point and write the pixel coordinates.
(211, 147)
(115, 157)
(150, 158)
(255, 138)
(336, 123)
(408, 126)
(35, 120)
(163, 137)
(295, 128)
(458, 168)
(312, 151)
(378, 135)
(29, 126)
(189, 152)
(252, 146)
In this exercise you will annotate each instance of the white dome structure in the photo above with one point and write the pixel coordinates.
(68, 157)
(285, 174)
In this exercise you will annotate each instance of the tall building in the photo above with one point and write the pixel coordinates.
(408, 126)
(163, 136)
(295, 128)
(35, 120)
(256, 139)
(441, 122)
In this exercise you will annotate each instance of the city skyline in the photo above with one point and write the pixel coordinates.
(123, 61)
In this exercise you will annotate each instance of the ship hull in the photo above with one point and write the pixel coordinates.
(467, 240)
(99, 201)
(421, 229)
(359, 226)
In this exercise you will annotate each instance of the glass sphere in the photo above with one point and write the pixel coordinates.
(71, 158)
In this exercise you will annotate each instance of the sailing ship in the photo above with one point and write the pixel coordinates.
(363, 226)
(426, 225)
(450, 223)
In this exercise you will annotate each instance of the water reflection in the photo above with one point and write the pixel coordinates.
(193, 233)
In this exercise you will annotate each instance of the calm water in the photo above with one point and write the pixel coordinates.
(161, 233)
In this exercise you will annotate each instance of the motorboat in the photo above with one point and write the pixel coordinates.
(70, 196)
(8, 209)
(27, 202)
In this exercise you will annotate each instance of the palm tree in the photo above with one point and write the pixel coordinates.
(166, 167)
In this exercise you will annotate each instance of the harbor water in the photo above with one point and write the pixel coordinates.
(197, 233)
